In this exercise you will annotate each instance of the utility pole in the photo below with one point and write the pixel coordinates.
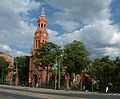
(59, 76)
(16, 77)
(55, 68)
(2, 75)
(16, 73)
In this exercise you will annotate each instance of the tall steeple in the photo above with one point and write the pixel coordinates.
(42, 14)
(41, 34)
(38, 75)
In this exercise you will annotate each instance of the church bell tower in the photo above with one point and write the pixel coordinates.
(38, 76)
(41, 34)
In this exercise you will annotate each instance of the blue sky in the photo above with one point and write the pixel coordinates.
(115, 10)
(96, 23)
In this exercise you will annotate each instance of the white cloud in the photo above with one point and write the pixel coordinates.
(69, 26)
(95, 36)
(84, 20)
(21, 6)
(54, 36)
(15, 30)
(6, 49)
(116, 38)
(86, 10)
(98, 31)
(20, 53)
(113, 51)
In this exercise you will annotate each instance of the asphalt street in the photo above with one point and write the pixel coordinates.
(7, 92)
(4, 95)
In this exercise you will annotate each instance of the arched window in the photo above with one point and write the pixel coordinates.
(36, 43)
(38, 25)
(42, 25)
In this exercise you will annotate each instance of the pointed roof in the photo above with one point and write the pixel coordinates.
(42, 14)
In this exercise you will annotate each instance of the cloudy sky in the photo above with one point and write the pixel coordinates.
(96, 23)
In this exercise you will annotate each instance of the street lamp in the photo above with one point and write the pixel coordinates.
(15, 72)
(55, 68)
(59, 75)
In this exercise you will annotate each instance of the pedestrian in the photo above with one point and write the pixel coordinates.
(106, 89)
(36, 85)
(67, 77)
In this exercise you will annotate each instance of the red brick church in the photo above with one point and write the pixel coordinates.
(38, 76)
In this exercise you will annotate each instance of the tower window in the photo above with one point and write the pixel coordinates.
(36, 43)
(38, 25)
(44, 25)
(41, 25)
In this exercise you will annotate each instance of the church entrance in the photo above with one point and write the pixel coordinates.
(35, 80)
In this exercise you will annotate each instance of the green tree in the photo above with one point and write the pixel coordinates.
(22, 64)
(75, 57)
(102, 70)
(3, 69)
(46, 55)
(116, 74)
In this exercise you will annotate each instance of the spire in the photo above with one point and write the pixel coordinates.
(42, 14)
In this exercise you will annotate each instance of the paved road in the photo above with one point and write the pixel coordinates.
(39, 93)
(4, 95)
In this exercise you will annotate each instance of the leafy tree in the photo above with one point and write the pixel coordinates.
(46, 55)
(75, 57)
(22, 63)
(116, 74)
(3, 68)
(102, 70)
